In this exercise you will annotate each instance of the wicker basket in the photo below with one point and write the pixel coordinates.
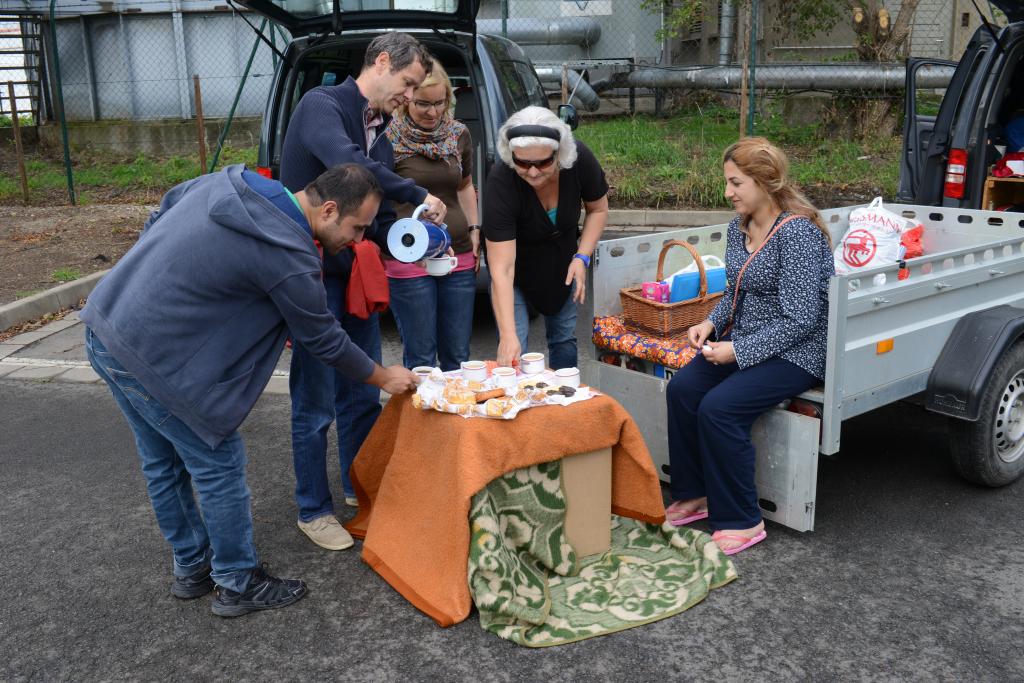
(668, 321)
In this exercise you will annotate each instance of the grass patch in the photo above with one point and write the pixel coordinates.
(676, 161)
(26, 294)
(66, 274)
(102, 176)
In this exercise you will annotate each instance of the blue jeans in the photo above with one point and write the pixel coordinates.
(321, 394)
(435, 318)
(174, 459)
(711, 409)
(560, 329)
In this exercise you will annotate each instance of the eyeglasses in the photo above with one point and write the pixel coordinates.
(424, 106)
(540, 165)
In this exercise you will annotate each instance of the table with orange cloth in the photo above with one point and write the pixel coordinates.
(418, 470)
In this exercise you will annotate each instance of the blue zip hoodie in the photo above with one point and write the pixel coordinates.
(199, 309)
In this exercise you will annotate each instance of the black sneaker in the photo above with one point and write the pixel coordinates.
(192, 586)
(264, 592)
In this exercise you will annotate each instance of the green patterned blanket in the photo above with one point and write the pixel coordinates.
(530, 587)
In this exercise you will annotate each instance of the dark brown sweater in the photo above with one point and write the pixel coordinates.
(442, 179)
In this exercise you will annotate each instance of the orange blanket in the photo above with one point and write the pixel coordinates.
(418, 470)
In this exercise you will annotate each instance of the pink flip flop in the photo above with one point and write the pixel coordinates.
(747, 542)
(692, 517)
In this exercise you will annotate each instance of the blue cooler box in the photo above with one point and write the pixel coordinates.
(687, 285)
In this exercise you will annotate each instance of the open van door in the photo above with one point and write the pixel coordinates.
(932, 171)
(926, 139)
(305, 17)
(918, 127)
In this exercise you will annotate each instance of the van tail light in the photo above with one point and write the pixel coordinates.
(956, 174)
(265, 172)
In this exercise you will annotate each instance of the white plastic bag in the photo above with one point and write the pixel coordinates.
(872, 240)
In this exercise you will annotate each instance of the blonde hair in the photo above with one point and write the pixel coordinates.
(768, 166)
(437, 76)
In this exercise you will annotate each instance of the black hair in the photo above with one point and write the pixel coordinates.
(403, 50)
(347, 185)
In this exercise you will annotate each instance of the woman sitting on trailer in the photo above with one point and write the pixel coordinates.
(763, 343)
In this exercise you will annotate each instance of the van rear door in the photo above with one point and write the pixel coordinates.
(919, 122)
(926, 137)
(305, 17)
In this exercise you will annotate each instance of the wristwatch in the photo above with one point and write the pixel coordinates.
(584, 258)
(475, 226)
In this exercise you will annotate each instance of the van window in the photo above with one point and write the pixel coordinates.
(535, 91)
(522, 88)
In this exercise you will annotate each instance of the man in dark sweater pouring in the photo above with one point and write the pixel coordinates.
(332, 125)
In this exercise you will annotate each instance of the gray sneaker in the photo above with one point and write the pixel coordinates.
(327, 532)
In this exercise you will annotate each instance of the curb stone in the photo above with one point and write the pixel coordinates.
(49, 301)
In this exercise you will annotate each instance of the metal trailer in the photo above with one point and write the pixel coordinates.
(948, 333)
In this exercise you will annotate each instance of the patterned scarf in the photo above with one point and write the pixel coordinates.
(408, 139)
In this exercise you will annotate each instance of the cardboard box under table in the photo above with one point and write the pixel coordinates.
(419, 469)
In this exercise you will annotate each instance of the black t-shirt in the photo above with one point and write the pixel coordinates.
(512, 211)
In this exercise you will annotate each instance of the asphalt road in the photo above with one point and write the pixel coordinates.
(911, 574)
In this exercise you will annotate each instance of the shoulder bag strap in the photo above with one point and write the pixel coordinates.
(739, 277)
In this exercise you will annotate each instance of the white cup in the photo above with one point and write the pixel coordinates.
(442, 265)
(531, 363)
(504, 377)
(474, 370)
(422, 371)
(568, 377)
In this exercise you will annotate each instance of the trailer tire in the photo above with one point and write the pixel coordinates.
(990, 451)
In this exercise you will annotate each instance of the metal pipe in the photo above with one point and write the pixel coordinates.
(545, 31)
(726, 31)
(583, 92)
(794, 77)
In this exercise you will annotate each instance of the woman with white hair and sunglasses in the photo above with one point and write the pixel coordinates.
(536, 253)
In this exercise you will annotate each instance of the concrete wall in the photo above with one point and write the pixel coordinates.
(160, 138)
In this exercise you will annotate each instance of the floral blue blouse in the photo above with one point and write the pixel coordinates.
(782, 311)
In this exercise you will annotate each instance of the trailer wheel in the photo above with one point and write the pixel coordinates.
(991, 450)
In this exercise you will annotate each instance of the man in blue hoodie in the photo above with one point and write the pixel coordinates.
(186, 330)
(332, 125)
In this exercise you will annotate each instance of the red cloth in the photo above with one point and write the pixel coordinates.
(368, 285)
(1001, 170)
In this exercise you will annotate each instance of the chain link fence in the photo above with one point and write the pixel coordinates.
(133, 81)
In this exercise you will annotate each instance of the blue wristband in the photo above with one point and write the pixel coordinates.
(584, 258)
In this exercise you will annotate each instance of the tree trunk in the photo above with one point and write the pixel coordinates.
(880, 39)
(743, 53)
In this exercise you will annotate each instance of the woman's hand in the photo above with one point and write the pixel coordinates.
(721, 353)
(699, 333)
(509, 352)
(474, 239)
(577, 273)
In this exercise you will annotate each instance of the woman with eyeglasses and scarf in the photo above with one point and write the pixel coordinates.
(536, 253)
(435, 313)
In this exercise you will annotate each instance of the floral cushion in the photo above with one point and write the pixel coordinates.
(611, 334)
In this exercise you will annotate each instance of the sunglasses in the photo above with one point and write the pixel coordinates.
(540, 165)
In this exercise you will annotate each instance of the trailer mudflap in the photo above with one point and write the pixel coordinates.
(959, 376)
